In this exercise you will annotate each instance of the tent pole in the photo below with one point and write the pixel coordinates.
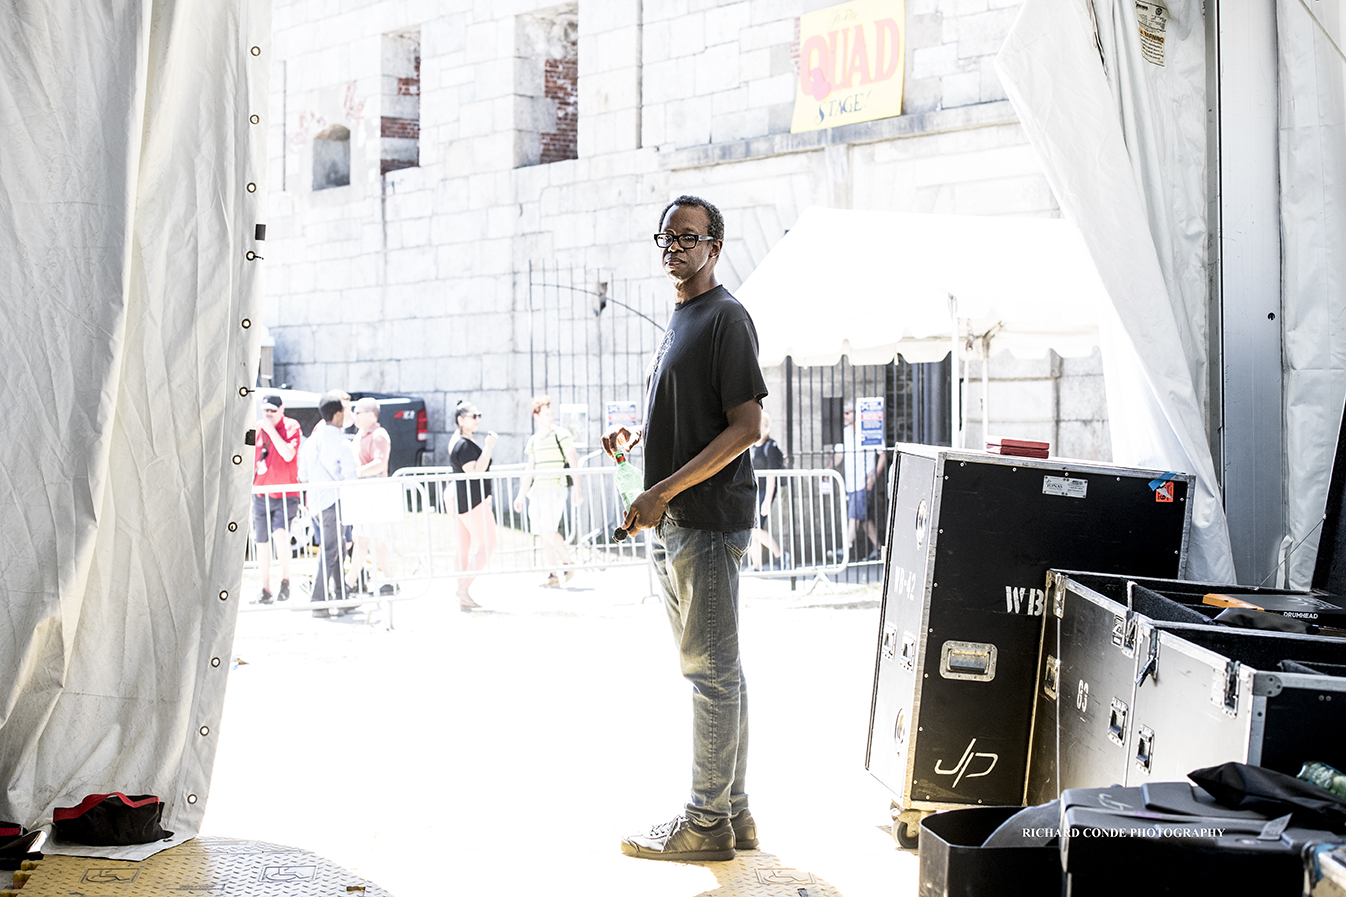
(985, 389)
(955, 411)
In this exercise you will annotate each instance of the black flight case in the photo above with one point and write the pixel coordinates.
(1137, 682)
(970, 539)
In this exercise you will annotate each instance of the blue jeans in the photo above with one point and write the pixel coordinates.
(698, 573)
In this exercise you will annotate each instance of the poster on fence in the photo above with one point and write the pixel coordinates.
(869, 414)
(574, 418)
(624, 414)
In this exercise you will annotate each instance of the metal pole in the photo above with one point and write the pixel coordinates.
(955, 414)
(1249, 281)
(985, 390)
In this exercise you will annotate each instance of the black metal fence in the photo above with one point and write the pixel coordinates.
(591, 337)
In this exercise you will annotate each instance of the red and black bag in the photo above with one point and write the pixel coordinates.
(114, 819)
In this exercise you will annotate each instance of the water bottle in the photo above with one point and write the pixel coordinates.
(1324, 776)
(630, 483)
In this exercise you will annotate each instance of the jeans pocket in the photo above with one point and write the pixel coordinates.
(737, 543)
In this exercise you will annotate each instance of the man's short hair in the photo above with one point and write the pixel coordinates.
(330, 405)
(540, 402)
(367, 403)
(716, 227)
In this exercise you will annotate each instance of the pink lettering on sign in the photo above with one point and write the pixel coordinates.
(835, 62)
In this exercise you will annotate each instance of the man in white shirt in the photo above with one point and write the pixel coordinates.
(329, 458)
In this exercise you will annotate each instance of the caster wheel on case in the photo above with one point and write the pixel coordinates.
(906, 827)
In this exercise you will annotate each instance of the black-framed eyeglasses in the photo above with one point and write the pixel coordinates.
(686, 241)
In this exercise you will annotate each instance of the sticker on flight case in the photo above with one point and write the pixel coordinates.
(1070, 487)
(1164, 493)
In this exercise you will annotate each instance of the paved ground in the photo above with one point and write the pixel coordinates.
(507, 751)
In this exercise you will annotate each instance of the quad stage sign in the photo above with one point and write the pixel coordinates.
(850, 64)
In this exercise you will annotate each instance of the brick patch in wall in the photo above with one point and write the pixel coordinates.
(409, 87)
(561, 79)
(409, 128)
(794, 48)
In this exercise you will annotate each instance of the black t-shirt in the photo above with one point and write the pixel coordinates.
(706, 365)
(767, 456)
(470, 492)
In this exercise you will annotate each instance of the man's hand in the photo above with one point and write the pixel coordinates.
(745, 428)
(644, 512)
(620, 437)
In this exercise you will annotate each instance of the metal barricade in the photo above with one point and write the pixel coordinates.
(424, 524)
(805, 525)
(380, 547)
(584, 515)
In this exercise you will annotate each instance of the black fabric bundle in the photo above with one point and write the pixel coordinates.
(111, 820)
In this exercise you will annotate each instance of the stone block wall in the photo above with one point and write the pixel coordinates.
(416, 280)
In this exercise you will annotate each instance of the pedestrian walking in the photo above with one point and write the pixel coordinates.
(703, 411)
(549, 475)
(373, 447)
(766, 455)
(476, 517)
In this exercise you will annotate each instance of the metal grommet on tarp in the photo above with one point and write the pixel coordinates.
(252, 188)
(255, 119)
(237, 459)
(224, 594)
(256, 51)
(243, 391)
(245, 323)
(215, 661)
(233, 527)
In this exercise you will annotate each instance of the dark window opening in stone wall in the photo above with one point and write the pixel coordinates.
(332, 158)
(546, 73)
(400, 128)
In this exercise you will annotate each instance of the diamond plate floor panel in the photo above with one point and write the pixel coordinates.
(755, 873)
(205, 867)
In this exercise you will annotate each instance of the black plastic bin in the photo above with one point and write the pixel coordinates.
(955, 864)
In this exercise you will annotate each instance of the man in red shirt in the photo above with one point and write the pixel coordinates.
(275, 463)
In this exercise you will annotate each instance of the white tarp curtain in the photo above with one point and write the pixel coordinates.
(125, 216)
(1312, 114)
(872, 285)
(1122, 143)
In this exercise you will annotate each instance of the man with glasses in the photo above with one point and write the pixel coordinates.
(275, 462)
(703, 411)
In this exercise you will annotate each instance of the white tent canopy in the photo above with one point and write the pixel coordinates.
(872, 285)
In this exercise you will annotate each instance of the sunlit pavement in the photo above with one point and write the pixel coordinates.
(509, 750)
